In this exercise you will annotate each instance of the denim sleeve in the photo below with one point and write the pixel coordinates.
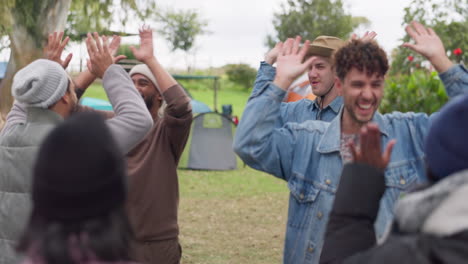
(266, 73)
(284, 110)
(296, 112)
(455, 80)
(259, 141)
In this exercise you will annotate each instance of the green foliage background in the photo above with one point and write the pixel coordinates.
(311, 18)
(448, 18)
(241, 74)
(420, 91)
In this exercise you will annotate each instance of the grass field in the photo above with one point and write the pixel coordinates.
(229, 216)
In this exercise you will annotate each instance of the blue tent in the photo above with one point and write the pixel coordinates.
(3, 68)
(199, 107)
(98, 104)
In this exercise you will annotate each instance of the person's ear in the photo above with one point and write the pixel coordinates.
(158, 94)
(339, 85)
(66, 98)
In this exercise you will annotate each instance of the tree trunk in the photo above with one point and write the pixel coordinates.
(27, 41)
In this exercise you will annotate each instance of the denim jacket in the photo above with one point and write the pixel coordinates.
(301, 110)
(307, 156)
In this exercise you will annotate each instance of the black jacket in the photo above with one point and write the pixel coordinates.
(428, 226)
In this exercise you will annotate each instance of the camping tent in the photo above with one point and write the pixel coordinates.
(209, 145)
(99, 104)
(3, 69)
(95, 103)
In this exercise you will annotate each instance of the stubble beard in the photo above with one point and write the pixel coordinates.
(354, 117)
(149, 102)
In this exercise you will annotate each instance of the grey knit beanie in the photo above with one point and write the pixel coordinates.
(40, 84)
(145, 70)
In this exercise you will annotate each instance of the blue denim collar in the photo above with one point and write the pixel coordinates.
(335, 105)
(330, 141)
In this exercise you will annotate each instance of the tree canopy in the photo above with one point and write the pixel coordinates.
(312, 18)
(91, 15)
(180, 28)
(25, 25)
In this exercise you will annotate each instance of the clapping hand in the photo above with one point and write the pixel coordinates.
(100, 57)
(368, 36)
(271, 55)
(370, 151)
(428, 44)
(145, 52)
(54, 48)
(290, 63)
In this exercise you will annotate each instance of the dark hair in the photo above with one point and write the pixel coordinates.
(106, 238)
(78, 195)
(364, 56)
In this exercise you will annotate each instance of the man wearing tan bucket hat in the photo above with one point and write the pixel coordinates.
(322, 100)
(309, 156)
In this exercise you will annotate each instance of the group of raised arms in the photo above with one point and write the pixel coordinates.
(80, 185)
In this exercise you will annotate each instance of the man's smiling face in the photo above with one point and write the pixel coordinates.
(362, 95)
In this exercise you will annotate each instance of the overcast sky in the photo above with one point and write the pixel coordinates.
(239, 27)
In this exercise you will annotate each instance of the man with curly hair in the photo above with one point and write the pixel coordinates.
(310, 155)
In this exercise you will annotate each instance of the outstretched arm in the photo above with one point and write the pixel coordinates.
(178, 114)
(145, 54)
(428, 44)
(290, 62)
(132, 120)
(259, 142)
(86, 78)
(266, 72)
(54, 49)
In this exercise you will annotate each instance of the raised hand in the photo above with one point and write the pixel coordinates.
(370, 151)
(428, 44)
(100, 57)
(54, 48)
(368, 36)
(145, 52)
(271, 55)
(113, 47)
(290, 62)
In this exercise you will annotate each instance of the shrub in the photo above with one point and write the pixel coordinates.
(241, 74)
(421, 91)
